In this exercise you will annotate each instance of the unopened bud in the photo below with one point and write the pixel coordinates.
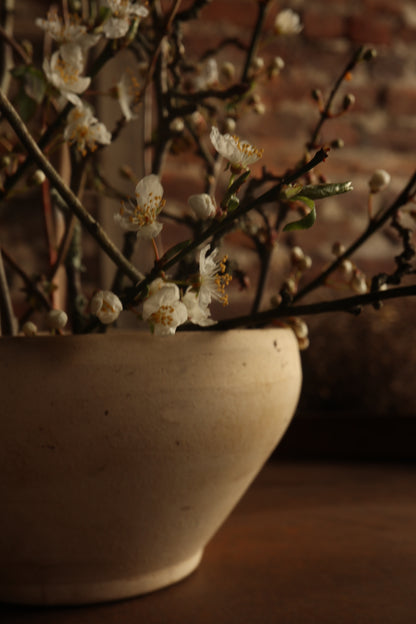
(259, 108)
(316, 95)
(369, 54)
(358, 283)
(277, 64)
(257, 63)
(338, 249)
(57, 319)
(276, 300)
(337, 143)
(29, 329)
(37, 178)
(349, 101)
(290, 286)
(296, 255)
(379, 180)
(305, 264)
(228, 70)
(230, 125)
(177, 125)
(303, 343)
(346, 269)
(300, 328)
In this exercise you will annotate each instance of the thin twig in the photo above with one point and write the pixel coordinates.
(375, 224)
(326, 111)
(90, 224)
(348, 304)
(7, 318)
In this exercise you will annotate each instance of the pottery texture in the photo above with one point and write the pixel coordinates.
(122, 454)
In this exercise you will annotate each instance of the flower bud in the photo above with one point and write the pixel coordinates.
(346, 269)
(29, 329)
(358, 283)
(337, 143)
(106, 306)
(228, 70)
(177, 125)
(296, 255)
(202, 205)
(37, 178)
(338, 249)
(379, 180)
(277, 64)
(257, 63)
(369, 54)
(349, 101)
(230, 125)
(300, 328)
(317, 95)
(57, 319)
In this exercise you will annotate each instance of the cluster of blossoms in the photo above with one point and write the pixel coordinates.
(166, 305)
(163, 301)
(65, 68)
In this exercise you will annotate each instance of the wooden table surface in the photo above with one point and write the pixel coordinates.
(309, 543)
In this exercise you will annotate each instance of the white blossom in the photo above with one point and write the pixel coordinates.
(379, 180)
(67, 31)
(202, 205)
(239, 153)
(84, 130)
(128, 93)
(198, 313)
(106, 306)
(287, 22)
(213, 277)
(64, 69)
(141, 216)
(164, 310)
(208, 75)
(122, 14)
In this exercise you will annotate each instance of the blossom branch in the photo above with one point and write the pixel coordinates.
(374, 224)
(351, 304)
(326, 111)
(90, 224)
(257, 30)
(219, 227)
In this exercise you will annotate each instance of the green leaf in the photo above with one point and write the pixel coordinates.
(320, 191)
(304, 223)
(290, 191)
(25, 106)
(31, 80)
(306, 200)
(35, 84)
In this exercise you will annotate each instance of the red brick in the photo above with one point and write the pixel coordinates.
(370, 29)
(401, 99)
(323, 25)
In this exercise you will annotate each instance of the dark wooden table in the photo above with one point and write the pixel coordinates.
(324, 543)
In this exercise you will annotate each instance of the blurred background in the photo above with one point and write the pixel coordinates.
(358, 398)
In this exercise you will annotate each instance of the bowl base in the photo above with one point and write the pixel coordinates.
(61, 594)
